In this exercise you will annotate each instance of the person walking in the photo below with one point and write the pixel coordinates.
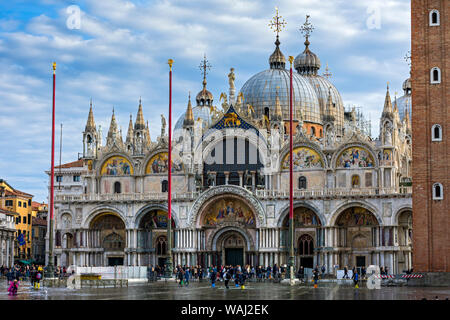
(356, 278)
(213, 276)
(315, 277)
(227, 277)
(37, 283)
(323, 269)
(345, 273)
(187, 275)
(180, 275)
(13, 288)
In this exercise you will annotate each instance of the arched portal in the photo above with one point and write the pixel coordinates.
(356, 229)
(228, 229)
(307, 236)
(404, 234)
(111, 236)
(152, 237)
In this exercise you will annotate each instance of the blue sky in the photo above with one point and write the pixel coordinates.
(120, 53)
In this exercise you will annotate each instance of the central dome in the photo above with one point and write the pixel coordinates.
(261, 91)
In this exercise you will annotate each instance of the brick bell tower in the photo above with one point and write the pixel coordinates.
(430, 41)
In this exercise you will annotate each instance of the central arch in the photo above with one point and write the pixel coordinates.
(228, 190)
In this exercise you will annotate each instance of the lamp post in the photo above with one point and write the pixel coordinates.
(50, 267)
(291, 183)
(169, 263)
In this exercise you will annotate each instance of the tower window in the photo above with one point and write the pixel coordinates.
(164, 186)
(434, 18)
(117, 187)
(313, 131)
(436, 133)
(435, 75)
(302, 182)
(438, 192)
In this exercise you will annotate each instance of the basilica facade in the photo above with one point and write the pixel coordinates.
(230, 180)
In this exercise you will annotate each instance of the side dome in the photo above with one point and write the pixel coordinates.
(323, 87)
(307, 62)
(404, 102)
(261, 90)
(202, 112)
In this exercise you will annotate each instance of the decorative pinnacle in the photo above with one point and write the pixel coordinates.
(170, 62)
(306, 29)
(204, 66)
(276, 24)
(291, 59)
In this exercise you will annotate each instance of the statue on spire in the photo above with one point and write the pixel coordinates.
(231, 78)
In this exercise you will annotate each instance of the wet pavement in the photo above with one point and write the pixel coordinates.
(203, 291)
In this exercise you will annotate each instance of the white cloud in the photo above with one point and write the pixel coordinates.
(121, 52)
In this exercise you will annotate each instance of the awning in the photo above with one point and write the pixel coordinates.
(25, 261)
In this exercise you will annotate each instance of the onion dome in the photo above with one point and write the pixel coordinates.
(307, 62)
(404, 102)
(277, 59)
(407, 86)
(204, 97)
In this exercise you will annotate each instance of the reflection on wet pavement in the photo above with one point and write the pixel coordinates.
(203, 291)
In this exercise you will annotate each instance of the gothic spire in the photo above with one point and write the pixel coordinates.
(90, 124)
(189, 117)
(148, 140)
(140, 123)
(130, 131)
(387, 102)
(113, 133)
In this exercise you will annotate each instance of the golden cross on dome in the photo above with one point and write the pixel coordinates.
(327, 72)
(408, 58)
(307, 28)
(276, 24)
(204, 66)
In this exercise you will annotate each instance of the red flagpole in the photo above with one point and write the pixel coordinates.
(291, 179)
(52, 182)
(169, 195)
(50, 273)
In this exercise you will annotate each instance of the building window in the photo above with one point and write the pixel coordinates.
(435, 75)
(17, 220)
(24, 204)
(313, 131)
(58, 178)
(434, 18)
(24, 219)
(20, 203)
(164, 186)
(355, 181)
(302, 182)
(29, 218)
(436, 133)
(438, 192)
(117, 187)
(8, 203)
(29, 202)
(76, 178)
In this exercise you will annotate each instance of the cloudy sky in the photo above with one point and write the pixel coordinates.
(117, 51)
